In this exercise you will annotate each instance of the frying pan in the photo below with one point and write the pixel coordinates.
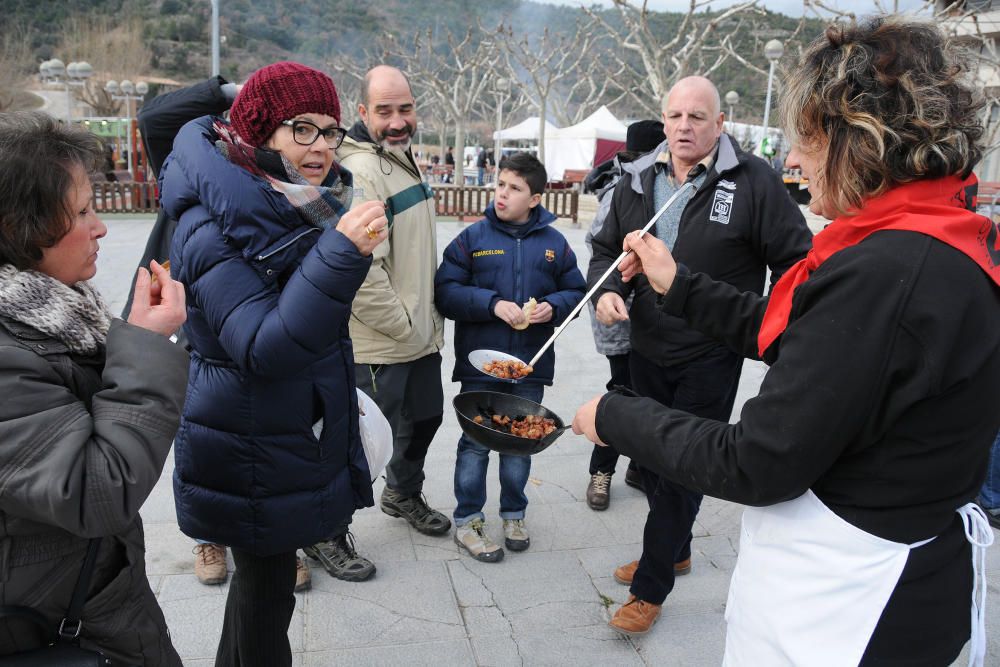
(471, 404)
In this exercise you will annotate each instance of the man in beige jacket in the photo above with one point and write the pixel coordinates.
(396, 330)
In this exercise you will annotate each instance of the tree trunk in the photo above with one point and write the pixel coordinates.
(541, 131)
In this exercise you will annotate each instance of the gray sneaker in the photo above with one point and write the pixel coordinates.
(416, 511)
(515, 535)
(473, 538)
(340, 560)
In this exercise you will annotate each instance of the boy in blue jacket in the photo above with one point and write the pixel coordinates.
(489, 270)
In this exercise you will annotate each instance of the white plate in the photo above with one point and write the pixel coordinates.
(479, 358)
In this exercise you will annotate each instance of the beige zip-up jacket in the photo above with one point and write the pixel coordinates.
(393, 318)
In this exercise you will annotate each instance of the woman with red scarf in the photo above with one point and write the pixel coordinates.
(861, 455)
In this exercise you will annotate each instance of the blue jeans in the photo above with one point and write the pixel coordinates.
(989, 496)
(474, 459)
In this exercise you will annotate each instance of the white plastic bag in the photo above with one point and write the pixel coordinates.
(376, 434)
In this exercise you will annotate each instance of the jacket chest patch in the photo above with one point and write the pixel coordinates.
(550, 255)
(485, 253)
(722, 206)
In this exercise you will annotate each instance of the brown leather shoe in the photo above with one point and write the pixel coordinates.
(625, 573)
(635, 617)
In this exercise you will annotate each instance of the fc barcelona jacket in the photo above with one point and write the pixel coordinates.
(492, 261)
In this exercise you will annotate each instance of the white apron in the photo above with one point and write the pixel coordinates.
(809, 588)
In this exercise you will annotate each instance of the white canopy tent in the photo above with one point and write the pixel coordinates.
(575, 147)
(526, 130)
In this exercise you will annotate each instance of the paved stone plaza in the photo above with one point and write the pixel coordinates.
(430, 605)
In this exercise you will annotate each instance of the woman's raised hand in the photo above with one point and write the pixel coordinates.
(157, 305)
(650, 256)
(366, 225)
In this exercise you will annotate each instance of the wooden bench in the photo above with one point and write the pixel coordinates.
(469, 201)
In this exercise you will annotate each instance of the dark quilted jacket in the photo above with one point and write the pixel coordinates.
(268, 298)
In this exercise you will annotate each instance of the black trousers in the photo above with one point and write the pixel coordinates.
(706, 387)
(604, 459)
(258, 612)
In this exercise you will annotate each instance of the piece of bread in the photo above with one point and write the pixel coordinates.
(527, 309)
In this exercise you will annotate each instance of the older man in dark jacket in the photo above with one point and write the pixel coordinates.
(736, 222)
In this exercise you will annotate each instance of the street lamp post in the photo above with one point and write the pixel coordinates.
(75, 74)
(772, 51)
(502, 88)
(732, 99)
(130, 92)
(215, 37)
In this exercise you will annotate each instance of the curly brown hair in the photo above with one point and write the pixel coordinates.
(892, 100)
(37, 156)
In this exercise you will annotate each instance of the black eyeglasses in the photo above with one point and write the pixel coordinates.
(305, 133)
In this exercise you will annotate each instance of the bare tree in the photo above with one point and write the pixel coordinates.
(115, 49)
(542, 63)
(697, 46)
(15, 69)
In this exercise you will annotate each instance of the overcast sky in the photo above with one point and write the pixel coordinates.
(789, 7)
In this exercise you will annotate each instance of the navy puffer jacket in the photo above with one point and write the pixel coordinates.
(268, 300)
(492, 261)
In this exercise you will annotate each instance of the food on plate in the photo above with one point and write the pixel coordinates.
(507, 369)
(527, 309)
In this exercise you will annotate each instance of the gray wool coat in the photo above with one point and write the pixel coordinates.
(82, 442)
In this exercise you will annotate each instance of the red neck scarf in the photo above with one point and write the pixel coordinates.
(942, 208)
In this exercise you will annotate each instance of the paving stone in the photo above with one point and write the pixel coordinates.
(553, 649)
(692, 639)
(412, 654)
(497, 652)
(407, 601)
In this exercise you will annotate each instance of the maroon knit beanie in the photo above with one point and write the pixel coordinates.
(280, 92)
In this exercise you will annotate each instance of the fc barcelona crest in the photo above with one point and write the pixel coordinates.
(550, 255)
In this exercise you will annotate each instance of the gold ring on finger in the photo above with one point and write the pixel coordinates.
(371, 232)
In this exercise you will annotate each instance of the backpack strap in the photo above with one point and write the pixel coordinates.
(407, 198)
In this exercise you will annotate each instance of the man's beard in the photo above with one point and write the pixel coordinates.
(397, 135)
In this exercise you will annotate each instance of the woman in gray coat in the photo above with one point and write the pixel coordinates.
(90, 404)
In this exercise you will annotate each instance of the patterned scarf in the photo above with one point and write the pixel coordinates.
(319, 205)
(77, 316)
(943, 208)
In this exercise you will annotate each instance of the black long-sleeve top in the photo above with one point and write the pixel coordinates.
(881, 398)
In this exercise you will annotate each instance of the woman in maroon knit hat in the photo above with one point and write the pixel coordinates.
(269, 457)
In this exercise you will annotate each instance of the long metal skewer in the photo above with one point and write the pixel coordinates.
(586, 298)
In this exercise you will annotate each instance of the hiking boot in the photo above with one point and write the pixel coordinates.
(340, 560)
(210, 563)
(599, 491)
(635, 617)
(626, 573)
(303, 578)
(634, 479)
(416, 512)
(473, 538)
(515, 535)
